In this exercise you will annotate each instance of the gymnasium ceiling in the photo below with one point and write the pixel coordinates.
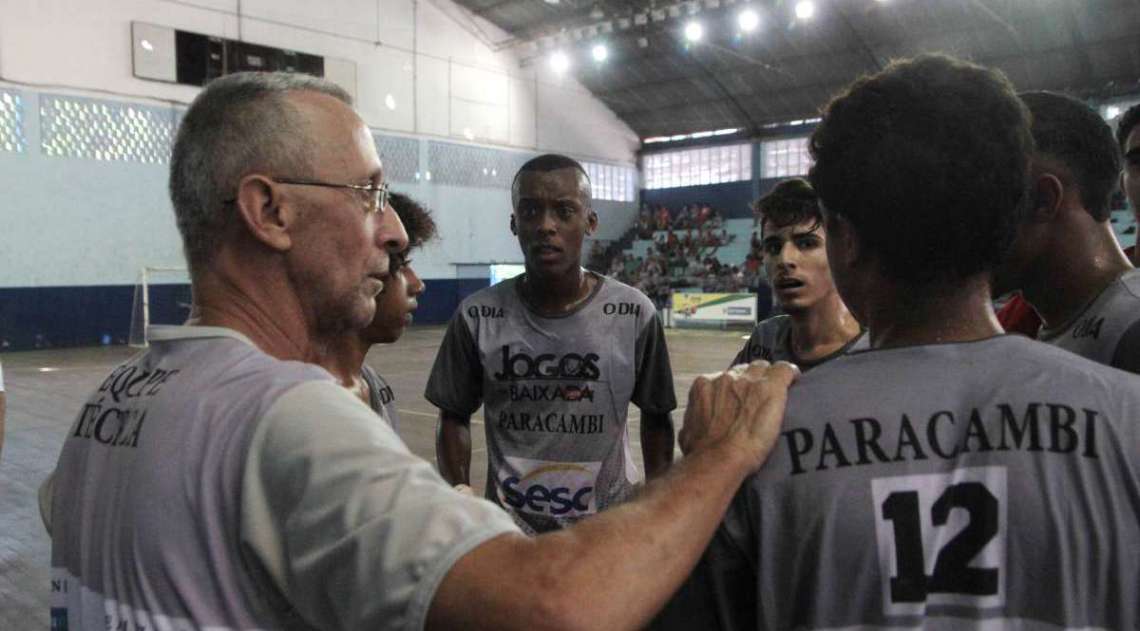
(787, 68)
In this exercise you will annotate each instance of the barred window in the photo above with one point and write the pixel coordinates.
(698, 166)
(784, 158)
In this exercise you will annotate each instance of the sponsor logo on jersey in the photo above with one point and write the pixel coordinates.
(552, 489)
(484, 311)
(1089, 327)
(554, 392)
(1052, 427)
(621, 308)
(552, 422)
(571, 366)
(386, 395)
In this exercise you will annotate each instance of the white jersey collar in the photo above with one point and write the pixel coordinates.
(168, 332)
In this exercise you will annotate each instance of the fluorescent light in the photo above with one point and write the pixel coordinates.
(679, 137)
(725, 132)
(805, 9)
(600, 52)
(48, 369)
(694, 31)
(147, 46)
(1111, 112)
(701, 134)
(653, 139)
(390, 102)
(748, 20)
(559, 62)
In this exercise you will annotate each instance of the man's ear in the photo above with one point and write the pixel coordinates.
(1047, 198)
(591, 222)
(514, 227)
(259, 206)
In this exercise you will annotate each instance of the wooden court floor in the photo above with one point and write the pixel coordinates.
(46, 389)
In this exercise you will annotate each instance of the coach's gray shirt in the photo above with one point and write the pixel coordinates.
(771, 340)
(557, 390)
(1108, 329)
(207, 485)
(984, 485)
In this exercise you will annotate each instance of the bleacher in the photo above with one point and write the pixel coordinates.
(734, 253)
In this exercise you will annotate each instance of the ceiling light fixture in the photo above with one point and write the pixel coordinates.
(805, 9)
(600, 52)
(694, 31)
(748, 20)
(559, 62)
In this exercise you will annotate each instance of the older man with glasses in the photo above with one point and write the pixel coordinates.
(220, 480)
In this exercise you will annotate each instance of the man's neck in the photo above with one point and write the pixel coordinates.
(260, 309)
(1074, 274)
(344, 358)
(932, 314)
(822, 329)
(557, 294)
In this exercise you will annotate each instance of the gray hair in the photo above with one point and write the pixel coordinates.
(239, 124)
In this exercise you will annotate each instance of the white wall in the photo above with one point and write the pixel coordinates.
(444, 80)
(75, 221)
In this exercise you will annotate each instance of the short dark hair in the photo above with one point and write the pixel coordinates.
(928, 160)
(551, 162)
(1127, 122)
(789, 203)
(1067, 130)
(417, 219)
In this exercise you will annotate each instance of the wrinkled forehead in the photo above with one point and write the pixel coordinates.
(566, 183)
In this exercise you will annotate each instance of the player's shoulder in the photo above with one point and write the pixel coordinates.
(490, 302)
(617, 298)
(771, 328)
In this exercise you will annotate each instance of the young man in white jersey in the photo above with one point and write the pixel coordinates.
(950, 477)
(816, 326)
(557, 354)
(221, 480)
(394, 307)
(1066, 260)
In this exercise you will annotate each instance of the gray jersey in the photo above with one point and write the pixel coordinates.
(556, 392)
(206, 485)
(984, 485)
(771, 340)
(380, 397)
(1108, 329)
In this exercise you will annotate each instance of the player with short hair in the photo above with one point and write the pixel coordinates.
(394, 306)
(951, 476)
(815, 326)
(557, 354)
(1066, 260)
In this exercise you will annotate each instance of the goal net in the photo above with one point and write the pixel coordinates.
(162, 296)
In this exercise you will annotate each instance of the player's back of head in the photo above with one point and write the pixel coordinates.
(928, 161)
(1072, 135)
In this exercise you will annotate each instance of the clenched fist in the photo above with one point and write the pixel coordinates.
(739, 409)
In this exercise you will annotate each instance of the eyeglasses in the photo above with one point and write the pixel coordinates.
(376, 201)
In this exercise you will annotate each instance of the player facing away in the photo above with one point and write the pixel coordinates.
(1128, 138)
(556, 355)
(1066, 260)
(816, 326)
(394, 307)
(951, 476)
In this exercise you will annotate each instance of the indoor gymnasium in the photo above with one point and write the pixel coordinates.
(569, 314)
